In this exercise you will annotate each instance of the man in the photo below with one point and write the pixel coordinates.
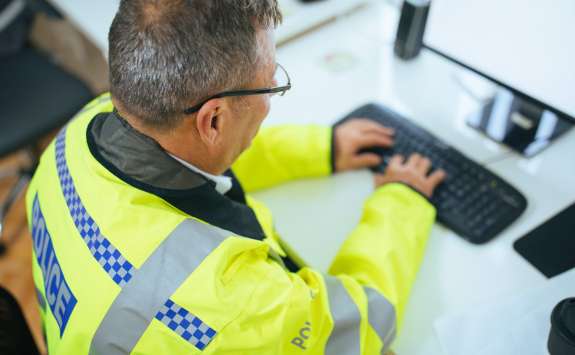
(145, 240)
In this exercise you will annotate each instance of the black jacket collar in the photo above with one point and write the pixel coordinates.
(139, 161)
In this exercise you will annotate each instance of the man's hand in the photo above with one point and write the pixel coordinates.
(413, 173)
(355, 135)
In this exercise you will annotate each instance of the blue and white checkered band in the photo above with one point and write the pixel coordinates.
(185, 324)
(118, 268)
(178, 319)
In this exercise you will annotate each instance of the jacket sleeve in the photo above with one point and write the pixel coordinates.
(355, 308)
(386, 248)
(283, 153)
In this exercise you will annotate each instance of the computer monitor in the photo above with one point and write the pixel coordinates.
(527, 48)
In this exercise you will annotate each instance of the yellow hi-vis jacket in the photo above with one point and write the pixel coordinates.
(136, 254)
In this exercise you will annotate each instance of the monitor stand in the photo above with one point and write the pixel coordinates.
(519, 123)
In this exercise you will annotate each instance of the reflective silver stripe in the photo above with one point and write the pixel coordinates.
(10, 13)
(159, 277)
(344, 338)
(381, 315)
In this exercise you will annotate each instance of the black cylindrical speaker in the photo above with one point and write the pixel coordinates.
(562, 334)
(409, 38)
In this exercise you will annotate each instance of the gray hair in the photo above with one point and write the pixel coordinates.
(167, 54)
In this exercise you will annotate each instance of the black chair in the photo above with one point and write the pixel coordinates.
(15, 335)
(36, 97)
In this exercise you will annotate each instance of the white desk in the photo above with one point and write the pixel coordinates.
(315, 216)
(350, 62)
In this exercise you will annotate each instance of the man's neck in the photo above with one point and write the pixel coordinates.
(177, 145)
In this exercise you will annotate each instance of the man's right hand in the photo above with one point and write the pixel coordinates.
(414, 173)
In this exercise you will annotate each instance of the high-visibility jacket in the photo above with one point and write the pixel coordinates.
(134, 253)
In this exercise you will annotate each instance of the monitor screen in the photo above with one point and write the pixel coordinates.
(526, 45)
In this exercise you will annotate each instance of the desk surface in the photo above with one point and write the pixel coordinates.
(350, 62)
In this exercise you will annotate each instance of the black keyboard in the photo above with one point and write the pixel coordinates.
(472, 201)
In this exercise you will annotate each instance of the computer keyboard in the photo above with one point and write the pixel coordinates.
(472, 201)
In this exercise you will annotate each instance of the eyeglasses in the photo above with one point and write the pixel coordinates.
(279, 90)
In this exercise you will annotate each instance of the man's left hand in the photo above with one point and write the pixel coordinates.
(357, 134)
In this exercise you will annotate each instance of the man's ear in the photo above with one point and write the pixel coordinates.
(209, 121)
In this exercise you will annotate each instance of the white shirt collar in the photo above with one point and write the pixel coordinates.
(223, 183)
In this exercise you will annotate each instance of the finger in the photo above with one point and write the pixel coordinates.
(424, 165)
(373, 140)
(367, 125)
(396, 160)
(365, 160)
(437, 177)
(413, 160)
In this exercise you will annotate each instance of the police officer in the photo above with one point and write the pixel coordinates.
(146, 239)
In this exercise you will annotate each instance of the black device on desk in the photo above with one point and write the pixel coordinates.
(551, 246)
(473, 202)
